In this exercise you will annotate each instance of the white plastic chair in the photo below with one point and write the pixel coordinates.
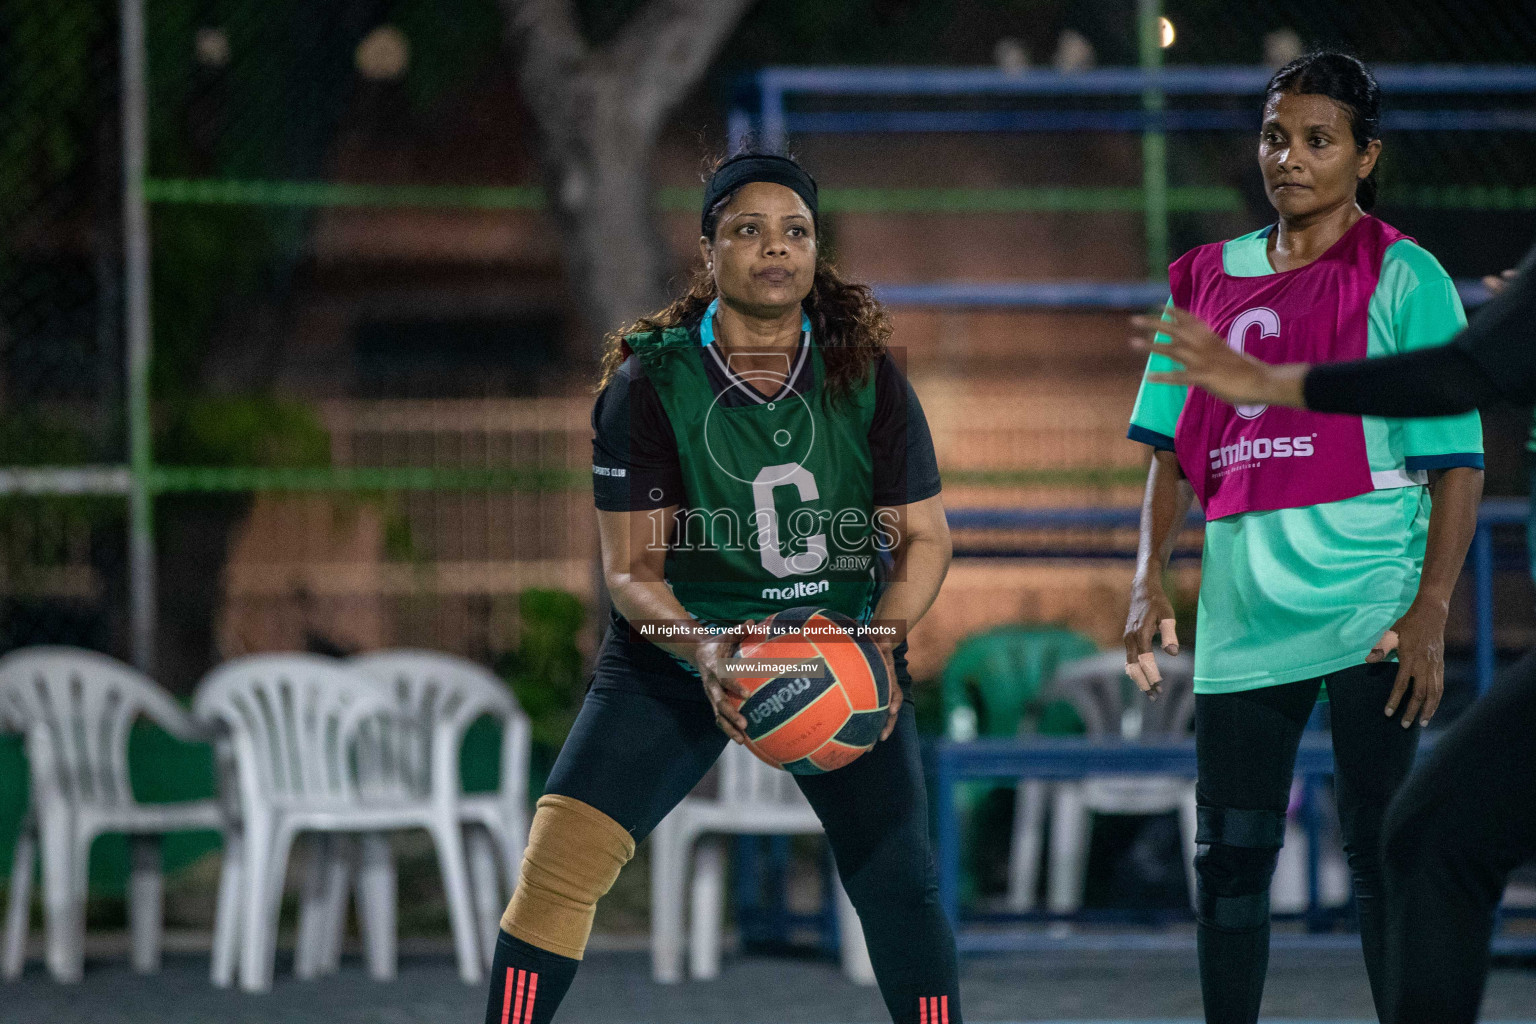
(752, 799)
(76, 708)
(13, 934)
(443, 696)
(307, 737)
(1097, 688)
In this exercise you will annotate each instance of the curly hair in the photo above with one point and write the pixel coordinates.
(851, 328)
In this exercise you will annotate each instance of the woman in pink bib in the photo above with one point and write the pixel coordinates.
(1332, 542)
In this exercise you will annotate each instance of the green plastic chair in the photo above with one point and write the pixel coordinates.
(992, 683)
(992, 686)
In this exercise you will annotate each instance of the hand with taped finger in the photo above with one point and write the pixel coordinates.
(1151, 613)
(1419, 640)
(710, 657)
(1496, 283)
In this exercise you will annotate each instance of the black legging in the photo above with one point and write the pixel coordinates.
(1463, 821)
(1246, 748)
(634, 756)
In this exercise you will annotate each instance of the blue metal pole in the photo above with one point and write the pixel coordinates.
(778, 876)
(771, 119)
(1313, 819)
(1482, 598)
(738, 125)
(948, 844)
(749, 887)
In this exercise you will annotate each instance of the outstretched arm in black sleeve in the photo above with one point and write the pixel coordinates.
(1493, 360)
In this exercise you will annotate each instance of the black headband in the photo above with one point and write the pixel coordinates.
(747, 168)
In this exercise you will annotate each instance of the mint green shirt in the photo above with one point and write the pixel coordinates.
(1296, 593)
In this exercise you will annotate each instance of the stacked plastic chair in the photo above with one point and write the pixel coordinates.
(1110, 706)
(307, 743)
(76, 709)
(751, 799)
(436, 698)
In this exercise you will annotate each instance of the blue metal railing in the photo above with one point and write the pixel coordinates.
(1054, 758)
(1145, 90)
(1100, 295)
(1178, 80)
(861, 122)
(1062, 758)
(1494, 512)
(775, 85)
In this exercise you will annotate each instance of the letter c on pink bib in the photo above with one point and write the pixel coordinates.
(1268, 323)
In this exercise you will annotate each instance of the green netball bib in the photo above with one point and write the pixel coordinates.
(779, 509)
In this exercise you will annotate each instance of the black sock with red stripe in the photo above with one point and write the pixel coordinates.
(935, 1010)
(527, 983)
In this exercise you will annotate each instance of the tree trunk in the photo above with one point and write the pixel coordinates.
(597, 170)
(600, 113)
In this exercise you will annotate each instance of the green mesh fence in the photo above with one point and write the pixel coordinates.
(354, 320)
(369, 418)
(61, 349)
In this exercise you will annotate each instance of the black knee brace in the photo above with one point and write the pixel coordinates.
(1235, 862)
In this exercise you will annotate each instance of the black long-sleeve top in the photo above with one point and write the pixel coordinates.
(1493, 360)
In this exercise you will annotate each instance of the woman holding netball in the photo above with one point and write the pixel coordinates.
(1324, 553)
(752, 440)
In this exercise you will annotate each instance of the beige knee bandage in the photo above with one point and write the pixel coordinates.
(574, 854)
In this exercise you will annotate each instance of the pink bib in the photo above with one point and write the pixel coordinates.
(1252, 458)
